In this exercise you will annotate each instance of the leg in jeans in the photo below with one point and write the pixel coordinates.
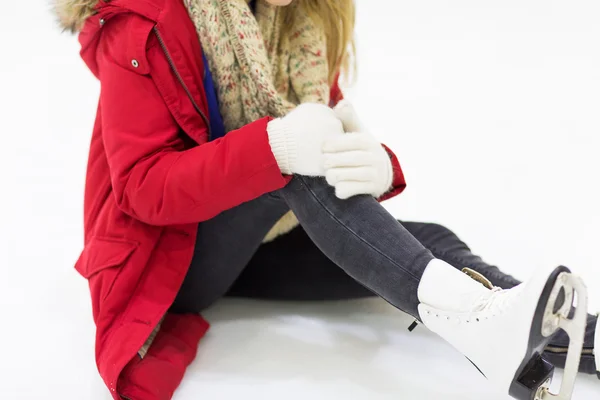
(293, 268)
(361, 238)
(224, 245)
(445, 245)
(357, 234)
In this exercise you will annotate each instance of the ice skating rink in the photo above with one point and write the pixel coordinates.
(493, 110)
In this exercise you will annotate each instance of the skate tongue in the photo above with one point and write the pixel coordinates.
(476, 276)
(494, 299)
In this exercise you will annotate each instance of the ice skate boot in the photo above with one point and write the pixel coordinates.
(504, 332)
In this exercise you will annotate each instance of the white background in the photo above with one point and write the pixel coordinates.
(492, 108)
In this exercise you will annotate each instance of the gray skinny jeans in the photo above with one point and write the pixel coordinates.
(358, 235)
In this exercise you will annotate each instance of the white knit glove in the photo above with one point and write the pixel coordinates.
(356, 163)
(297, 139)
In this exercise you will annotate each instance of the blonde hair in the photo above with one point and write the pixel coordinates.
(337, 19)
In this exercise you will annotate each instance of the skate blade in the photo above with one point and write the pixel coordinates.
(534, 380)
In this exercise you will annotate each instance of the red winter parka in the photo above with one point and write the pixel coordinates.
(152, 177)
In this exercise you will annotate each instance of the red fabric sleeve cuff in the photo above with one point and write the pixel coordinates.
(398, 182)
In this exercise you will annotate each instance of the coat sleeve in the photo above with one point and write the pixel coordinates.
(154, 178)
(398, 182)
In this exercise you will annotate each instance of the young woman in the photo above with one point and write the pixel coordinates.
(213, 124)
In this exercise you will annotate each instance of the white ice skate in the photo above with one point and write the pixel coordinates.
(506, 331)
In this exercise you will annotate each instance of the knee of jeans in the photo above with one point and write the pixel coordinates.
(314, 182)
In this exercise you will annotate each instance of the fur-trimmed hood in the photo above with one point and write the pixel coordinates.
(73, 13)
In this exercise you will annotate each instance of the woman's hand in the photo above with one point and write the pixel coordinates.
(297, 139)
(356, 163)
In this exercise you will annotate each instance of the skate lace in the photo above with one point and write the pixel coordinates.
(494, 301)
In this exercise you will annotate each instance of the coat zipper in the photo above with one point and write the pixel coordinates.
(180, 79)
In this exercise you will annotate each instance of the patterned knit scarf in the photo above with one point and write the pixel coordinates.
(257, 70)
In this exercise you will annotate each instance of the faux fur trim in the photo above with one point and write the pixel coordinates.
(72, 14)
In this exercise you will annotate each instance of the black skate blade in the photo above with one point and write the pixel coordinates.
(534, 371)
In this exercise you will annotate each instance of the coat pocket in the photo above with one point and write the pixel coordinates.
(100, 263)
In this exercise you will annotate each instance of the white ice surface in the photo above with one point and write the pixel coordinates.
(492, 107)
